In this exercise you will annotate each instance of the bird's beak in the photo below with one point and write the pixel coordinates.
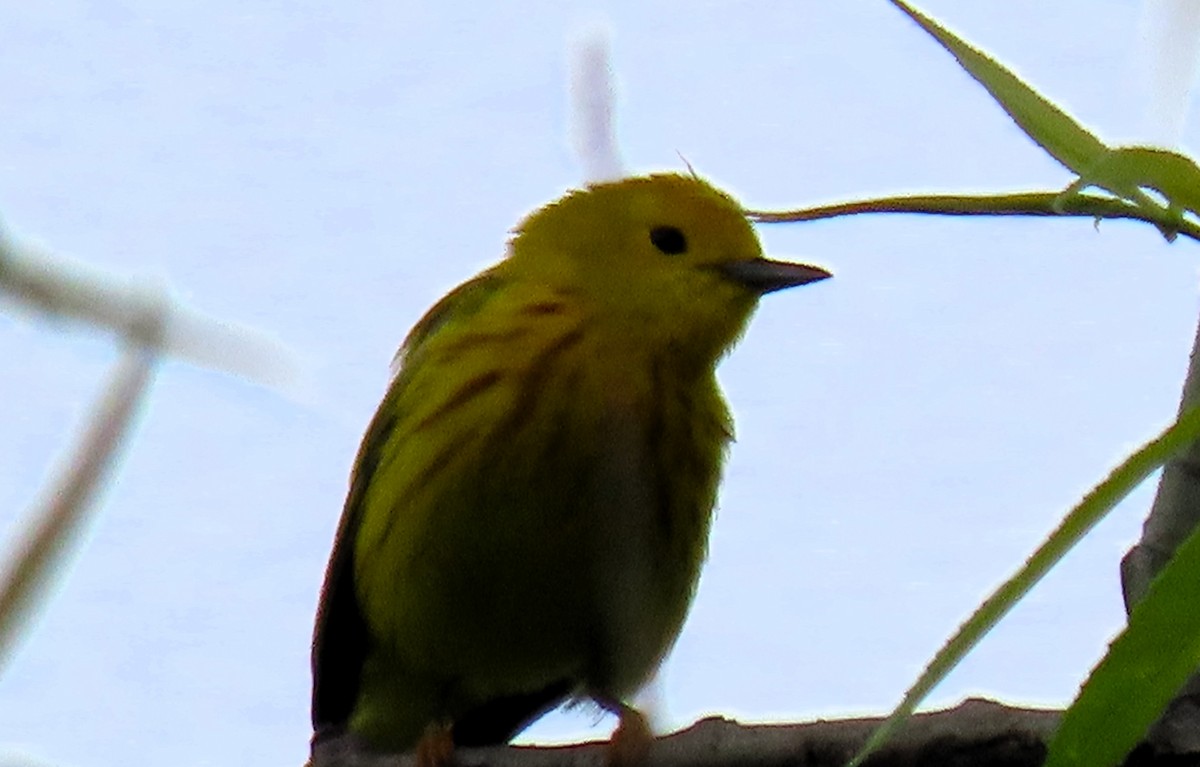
(763, 275)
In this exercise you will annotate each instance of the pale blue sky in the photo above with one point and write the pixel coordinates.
(324, 171)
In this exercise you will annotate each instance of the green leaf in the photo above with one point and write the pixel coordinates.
(1173, 175)
(1143, 670)
(1053, 129)
(1094, 506)
(1123, 172)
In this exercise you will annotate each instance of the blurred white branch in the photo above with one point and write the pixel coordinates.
(150, 325)
(1167, 58)
(593, 105)
(35, 281)
(57, 518)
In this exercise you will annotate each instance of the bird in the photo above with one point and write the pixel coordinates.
(529, 509)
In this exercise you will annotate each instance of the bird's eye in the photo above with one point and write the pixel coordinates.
(668, 239)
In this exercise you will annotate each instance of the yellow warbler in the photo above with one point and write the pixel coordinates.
(530, 506)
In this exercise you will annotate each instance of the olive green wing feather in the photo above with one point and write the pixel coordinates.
(342, 638)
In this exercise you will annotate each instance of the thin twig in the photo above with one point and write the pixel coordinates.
(61, 512)
(1015, 204)
(33, 280)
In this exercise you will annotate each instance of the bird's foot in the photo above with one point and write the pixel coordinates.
(631, 741)
(436, 746)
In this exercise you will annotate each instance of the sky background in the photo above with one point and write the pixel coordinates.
(324, 171)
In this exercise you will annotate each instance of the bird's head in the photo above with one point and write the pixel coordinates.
(668, 258)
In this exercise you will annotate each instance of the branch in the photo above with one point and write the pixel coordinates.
(1086, 205)
(64, 509)
(1173, 515)
(32, 280)
(981, 733)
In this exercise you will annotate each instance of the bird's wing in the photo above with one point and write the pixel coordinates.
(341, 638)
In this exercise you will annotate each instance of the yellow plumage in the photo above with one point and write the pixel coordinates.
(530, 506)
